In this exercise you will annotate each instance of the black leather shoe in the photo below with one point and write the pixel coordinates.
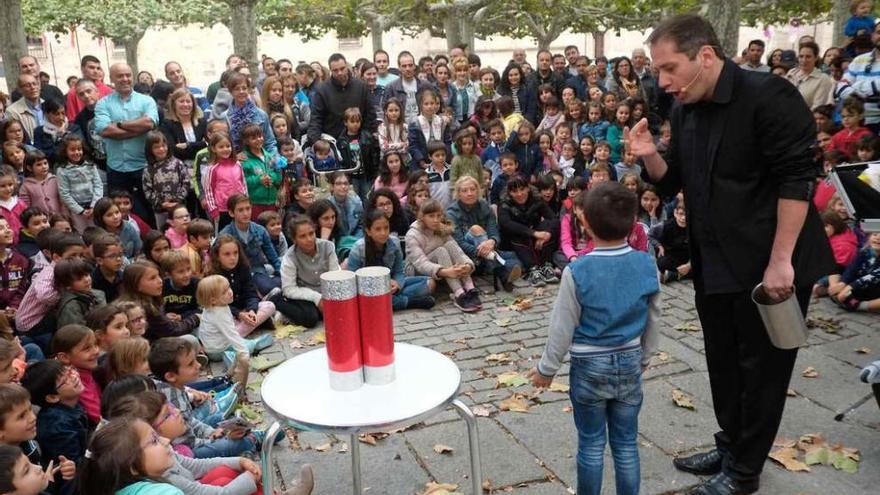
(703, 463)
(721, 484)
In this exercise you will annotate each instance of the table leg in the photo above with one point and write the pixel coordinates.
(266, 458)
(355, 465)
(474, 443)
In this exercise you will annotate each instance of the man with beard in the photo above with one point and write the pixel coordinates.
(863, 76)
(407, 86)
(333, 96)
(545, 74)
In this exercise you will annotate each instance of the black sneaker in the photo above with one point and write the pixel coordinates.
(474, 298)
(549, 274)
(670, 276)
(426, 302)
(535, 278)
(465, 303)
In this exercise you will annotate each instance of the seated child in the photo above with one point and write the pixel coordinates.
(271, 221)
(178, 220)
(627, 166)
(324, 161)
(610, 335)
(110, 324)
(179, 286)
(73, 280)
(107, 275)
(218, 331)
(75, 346)
(844, 243)
(858, 288)
(33, 221)
(670, 239)
(14, 281)
(173, 363)
(62, 425)
(19, 475)
(137, 317)
(142, 284)
(438, 173)
(431, 250)
(509, 170)
(128, 356)
(198, 242)
(258, 248)
(228, 260)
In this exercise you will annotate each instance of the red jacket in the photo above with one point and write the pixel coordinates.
(12, 216)
(74, 105)
(846, 140)
(13, 279)
(845, 246)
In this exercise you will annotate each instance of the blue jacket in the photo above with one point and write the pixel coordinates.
(864, 271)
(598, 131)
(463, 218)
(392, 258)
(62, 430)
(614, 287)
(418, 146)
(350, 214)
(529, 155)
(258, 248)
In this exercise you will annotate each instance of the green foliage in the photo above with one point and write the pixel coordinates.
(775, 12)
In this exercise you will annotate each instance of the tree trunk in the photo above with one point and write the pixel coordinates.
(376, 33)
(13, 44)
(131, 51)
(724, 16)
(452, 30)
(244, 31)
(839, 13)
(598, 43)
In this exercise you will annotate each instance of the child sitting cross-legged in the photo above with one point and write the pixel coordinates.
(73, 280)
(218, 331)
(604, 318)
(62, 425)
(173, 363)
(214, 476)
(18, 428)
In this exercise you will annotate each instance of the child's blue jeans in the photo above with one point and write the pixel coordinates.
(606, 392)
(225, 447)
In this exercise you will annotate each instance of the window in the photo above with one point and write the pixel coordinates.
(348, 43)
(36, 47)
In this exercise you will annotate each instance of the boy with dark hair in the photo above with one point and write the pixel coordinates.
(73, 279)
(491, 156)
(179, 287)
(34, 318)
(439, 173)
(44, 240)
(198, 241)
(349, 207)
(359, 151)
(62, 424)
(107, 275)
(612, 344)
(173, 363)
(256, 242)
(271, 221)
(125, 201)
(33, 221)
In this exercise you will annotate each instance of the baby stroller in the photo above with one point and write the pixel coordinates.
(318, 168)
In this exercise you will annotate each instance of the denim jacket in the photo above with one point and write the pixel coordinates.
(350, 213)
(392, 258)
(258, 248)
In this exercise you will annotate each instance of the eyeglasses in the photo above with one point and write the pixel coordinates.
(173, 412)
(182, 217)
(154, 439)
(341, 183)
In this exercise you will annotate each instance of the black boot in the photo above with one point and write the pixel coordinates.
(722, 484)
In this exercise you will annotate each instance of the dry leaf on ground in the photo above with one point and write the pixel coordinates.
(432, 488)
(296, 344)
(791, 393)
(503, 322)
(443, 449)
(367, 438)
(480, 411)
(810, 372)
(863, 350)
(521, 304)
(559, 387)
(511, 379)
(324, 447)
(683, 400)
(687, 327)
(514, 403)
(501, 357)
(823, 322)
(288, 330)
(567, 409)
(787, 457)
(663, 356)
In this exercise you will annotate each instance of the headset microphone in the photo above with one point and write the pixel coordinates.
(684, 89)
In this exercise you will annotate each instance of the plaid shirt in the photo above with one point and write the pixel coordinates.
(197, 433)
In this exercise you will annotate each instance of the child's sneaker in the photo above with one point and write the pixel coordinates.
(262, 342)
(272, 293)
(465, 303)
(548, 273)
(535, 278)
(473, 296)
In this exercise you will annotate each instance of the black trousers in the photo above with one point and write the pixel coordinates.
(749, 378)
(132, 182)
(298, 311)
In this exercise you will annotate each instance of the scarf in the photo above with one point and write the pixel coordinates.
(514, 90)
(238, 118)
(432, 130)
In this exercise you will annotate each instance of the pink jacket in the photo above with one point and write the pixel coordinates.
(43, 195)
(637, 239)
(398, 187)
(845, 246)
(11, 215)
(223, 179)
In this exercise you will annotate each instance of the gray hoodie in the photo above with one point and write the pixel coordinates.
(185, 471)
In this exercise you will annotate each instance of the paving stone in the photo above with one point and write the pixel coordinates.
(504, 461)
(674, 429)
(834, 386)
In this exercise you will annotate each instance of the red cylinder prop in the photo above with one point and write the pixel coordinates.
(339, 292)
(377, 324)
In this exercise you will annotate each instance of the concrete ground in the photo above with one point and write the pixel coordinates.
(533, 453)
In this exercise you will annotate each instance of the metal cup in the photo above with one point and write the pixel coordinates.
(783, 320)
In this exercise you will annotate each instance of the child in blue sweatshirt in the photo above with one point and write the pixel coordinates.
(601, 317)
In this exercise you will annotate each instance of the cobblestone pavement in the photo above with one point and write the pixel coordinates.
(534, 452)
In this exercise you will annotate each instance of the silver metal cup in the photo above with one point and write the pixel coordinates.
(783, 320)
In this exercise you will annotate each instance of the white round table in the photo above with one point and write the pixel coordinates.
(298, 393)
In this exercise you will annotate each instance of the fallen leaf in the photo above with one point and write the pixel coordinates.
(460, 341)
(249, 413)
(501, 357)
(367, 438)
(784, 442)
(663, 356)
(487, 486)
(319, 337)
(539, 292)
(503, 322)
(791, 393)
(443, 449)
(262, 363)
(514, 403)
(288, 330)
(296, 344)
(863, 350)
(811, 441)
(480, 411)
(687, 327)
(343, 448)
(787, 457)
(432, 488)
(567, 409)
(682, 400)
(823, 322)
(817, 456)
(512, 379)
(254, 386)
(558, 387)
(810, 372)
(521, 304)
(324, 447)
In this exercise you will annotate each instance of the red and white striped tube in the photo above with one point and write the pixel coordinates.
(339, 291)
(377, 324)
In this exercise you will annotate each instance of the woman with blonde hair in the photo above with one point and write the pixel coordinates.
(184, 125)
